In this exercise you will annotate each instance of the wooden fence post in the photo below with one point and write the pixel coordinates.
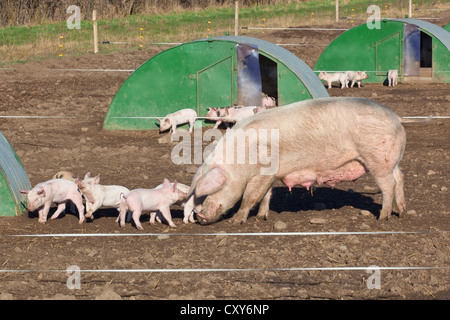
(337, 10)
(94, 19)
(236, 18)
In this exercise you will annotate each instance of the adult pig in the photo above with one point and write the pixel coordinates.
(57, 191)
(323, 140)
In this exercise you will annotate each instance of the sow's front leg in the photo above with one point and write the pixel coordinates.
(257, 187)
(263, 211)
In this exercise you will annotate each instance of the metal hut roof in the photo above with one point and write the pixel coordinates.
(439, 33)
(202, 74)
(291, 61)
(13, 178)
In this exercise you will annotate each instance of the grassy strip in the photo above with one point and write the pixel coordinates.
(24, 43)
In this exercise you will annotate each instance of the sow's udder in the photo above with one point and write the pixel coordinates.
(307, 177)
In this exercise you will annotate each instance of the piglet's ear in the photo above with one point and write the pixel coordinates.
(41, 192)
(211, 182)
(97, 179)
(166, 183)
(87, 175)
(24, 191)
(174, 186)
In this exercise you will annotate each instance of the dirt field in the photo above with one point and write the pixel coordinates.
(136, 159)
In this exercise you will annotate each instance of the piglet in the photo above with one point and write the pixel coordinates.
(180, 117)
(98, 195)
(236, 114)
(215, 114)
(57, 191)
(332, 77)
(153, 200)
(356, 76)
(268, 101)
(392, 78)
(64, 175)
(262, 108)
(188, 204)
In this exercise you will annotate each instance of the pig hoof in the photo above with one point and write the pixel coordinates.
(264, 217)
(237, 222)
(239, 218)
(384, 216)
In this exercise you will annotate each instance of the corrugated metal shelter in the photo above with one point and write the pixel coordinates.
(419, 50)
(13, 178)
(213, 72)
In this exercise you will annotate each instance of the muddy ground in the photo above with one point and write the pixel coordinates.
(136, 159)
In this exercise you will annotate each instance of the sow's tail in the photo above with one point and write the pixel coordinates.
(415, 119)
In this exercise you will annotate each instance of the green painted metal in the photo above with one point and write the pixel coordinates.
(199, 75)
(447, 27)
(441, 61)
(7, 202)
(378, 50)
(387, 47)
(12, 179)
(172, 80)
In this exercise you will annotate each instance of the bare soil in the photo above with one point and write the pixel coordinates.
(135, 159)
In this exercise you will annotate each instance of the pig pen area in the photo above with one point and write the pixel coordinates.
(251, 266)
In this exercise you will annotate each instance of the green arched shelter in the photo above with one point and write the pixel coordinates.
(13, 178)
(419, 50)
(447, 27)
(206, 73)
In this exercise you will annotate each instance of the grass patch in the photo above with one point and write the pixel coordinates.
(23, 43)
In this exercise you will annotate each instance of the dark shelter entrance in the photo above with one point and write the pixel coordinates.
(269, 77)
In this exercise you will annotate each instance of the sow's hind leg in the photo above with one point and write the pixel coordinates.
(399, 191)
(390, 182)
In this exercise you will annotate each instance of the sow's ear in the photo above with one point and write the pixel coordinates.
(210, 183)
